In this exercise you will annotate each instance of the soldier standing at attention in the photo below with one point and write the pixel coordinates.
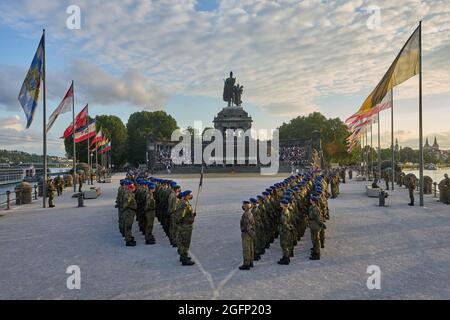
(411, 187)
(171, 207)
(315, 227)
(129, 212)
(150, 207)
(285, 232)
(258, 229)
(119, 205)
(248, 235)
(50, 192)
(80, 181)
(184, 222)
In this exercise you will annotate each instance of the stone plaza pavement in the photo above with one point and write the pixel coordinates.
(410, 245)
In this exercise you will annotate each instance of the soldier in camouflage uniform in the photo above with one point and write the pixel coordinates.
(285, 231)
(140, 195)
(119, 206)
(50, 192)
(315, 226)
(59, 185)
(184, 222)
(129, 212)
(258, 241)
(149, 211)
(172, 199)
(248, 235)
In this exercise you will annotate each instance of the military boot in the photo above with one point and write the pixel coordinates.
(244, 267)
(291, 254)
(150, 241)
(314, 256)
(130, 243)
(284, 261)
(187, 262)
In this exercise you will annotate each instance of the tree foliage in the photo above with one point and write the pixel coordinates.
(113, 128)
(140, 125)
(333, 134)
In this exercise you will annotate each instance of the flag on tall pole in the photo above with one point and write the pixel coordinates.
(85, 132)
(74, 144)
(405, 66)
(44, 126)
(64, 107)
(29, 93)
(78, 122)
(420, 116)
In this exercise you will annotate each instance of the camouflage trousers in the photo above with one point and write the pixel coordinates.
(303, 223)
(247, 248)
(149, 221)
(128, 219)
(322, 236)
(286, 243)
(183, 236)
(411, 195)
(315, 239)
(120, 221)
(172, 228)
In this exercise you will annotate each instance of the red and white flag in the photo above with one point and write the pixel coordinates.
(80, 121)
(64, 106)
(85, 133)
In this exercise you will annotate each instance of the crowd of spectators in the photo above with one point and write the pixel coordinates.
(293, 155)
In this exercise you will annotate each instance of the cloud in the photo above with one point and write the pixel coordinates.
(285, 53)
(131, 87)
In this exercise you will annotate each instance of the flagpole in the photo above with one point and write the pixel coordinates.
(200, 185)
(420, 118)
(44, 120)
(74, 144)
(379, 149)
(392, 138)
(96, 160)
(371, 149)
(88, 152)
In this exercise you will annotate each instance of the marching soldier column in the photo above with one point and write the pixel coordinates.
(145, 199)
(285, 210)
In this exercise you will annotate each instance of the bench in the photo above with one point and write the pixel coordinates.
(92, 193)
(373, 192)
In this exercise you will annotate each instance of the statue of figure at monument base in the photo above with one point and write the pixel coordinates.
(232, 93)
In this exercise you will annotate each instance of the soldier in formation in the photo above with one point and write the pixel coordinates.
(285, 210)
(146, 198)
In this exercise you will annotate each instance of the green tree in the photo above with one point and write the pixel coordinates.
(140, 125)
(114, 129)
(333, 134)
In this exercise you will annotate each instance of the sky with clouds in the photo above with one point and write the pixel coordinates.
(292, 57)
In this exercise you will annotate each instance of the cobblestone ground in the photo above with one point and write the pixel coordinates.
(410, 245)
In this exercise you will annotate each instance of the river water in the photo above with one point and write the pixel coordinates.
(436, 175)
(10, 187)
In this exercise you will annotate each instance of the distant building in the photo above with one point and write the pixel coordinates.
(435, 150)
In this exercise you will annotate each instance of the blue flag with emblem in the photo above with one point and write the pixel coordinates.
(29, 93)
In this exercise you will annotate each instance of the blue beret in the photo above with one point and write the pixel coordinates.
(284, 201)
(245, 202)
(265, 193)
(186, 193)
(253, 200)
(173, 184)
(151, 186)
(260, 197)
